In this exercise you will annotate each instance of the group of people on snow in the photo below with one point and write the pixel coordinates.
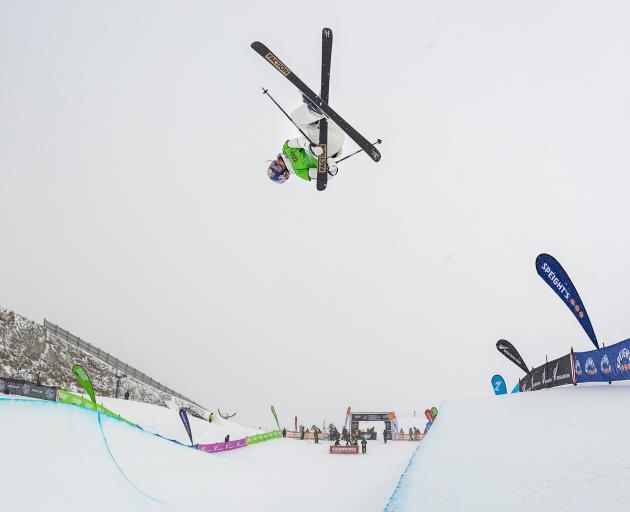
(351, 439)
(354, 438)
(414, 433)
(316, 431)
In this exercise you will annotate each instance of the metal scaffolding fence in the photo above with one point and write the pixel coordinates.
(107, 358)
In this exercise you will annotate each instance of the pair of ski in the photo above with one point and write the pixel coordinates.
(321, 102)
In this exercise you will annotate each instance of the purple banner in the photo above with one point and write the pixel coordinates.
(222, 447)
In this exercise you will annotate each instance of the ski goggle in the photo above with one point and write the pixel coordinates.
(276, 173)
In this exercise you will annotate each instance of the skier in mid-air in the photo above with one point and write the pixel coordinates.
(299, 156)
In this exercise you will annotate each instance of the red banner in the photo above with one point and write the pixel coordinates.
(344, 449)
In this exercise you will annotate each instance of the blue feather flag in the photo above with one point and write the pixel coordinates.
(498, 385)
(184, 416)
(556, 277)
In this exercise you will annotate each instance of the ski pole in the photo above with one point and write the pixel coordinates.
(378, 141)
(266, 92)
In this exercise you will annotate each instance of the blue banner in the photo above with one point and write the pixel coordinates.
(498, 385)
(555, 276)
(184, 416)
(515, 388)
(603, 365)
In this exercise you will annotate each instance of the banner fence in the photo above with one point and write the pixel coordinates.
(606, 364)
(29, 389)
(222, 447)
(406, 437)
(65, 397)
(259, 438)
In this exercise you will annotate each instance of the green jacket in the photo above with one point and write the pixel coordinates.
(300, 160)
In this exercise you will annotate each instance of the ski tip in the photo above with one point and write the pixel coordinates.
(327, 33)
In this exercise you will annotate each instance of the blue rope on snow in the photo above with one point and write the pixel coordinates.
(111, 455)
(392, 498)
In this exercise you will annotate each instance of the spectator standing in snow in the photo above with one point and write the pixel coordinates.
(227, 438)
(127, 395)
(363, 445)
(284, 432)
(385, 436)
(210, 417)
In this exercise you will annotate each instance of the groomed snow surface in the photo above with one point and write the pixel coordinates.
(563, 449)
(55, 458)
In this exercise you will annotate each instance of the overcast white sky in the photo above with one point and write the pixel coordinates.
(137, 214)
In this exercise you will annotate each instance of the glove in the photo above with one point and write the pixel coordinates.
(332, 167)
(316, 150)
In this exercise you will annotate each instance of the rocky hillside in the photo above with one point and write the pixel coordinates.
(28, 351)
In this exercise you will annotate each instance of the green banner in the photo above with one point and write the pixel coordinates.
(84, 379)
(273, 411)
(65, 397)
(259, 438)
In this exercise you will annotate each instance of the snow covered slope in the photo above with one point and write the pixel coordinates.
(55, 457)
(166, 422)
(557, 449)
(31, 352)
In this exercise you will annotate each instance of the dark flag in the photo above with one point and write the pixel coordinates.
(184, 416)
(508, 350)
(555, 276)
(275, 416)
